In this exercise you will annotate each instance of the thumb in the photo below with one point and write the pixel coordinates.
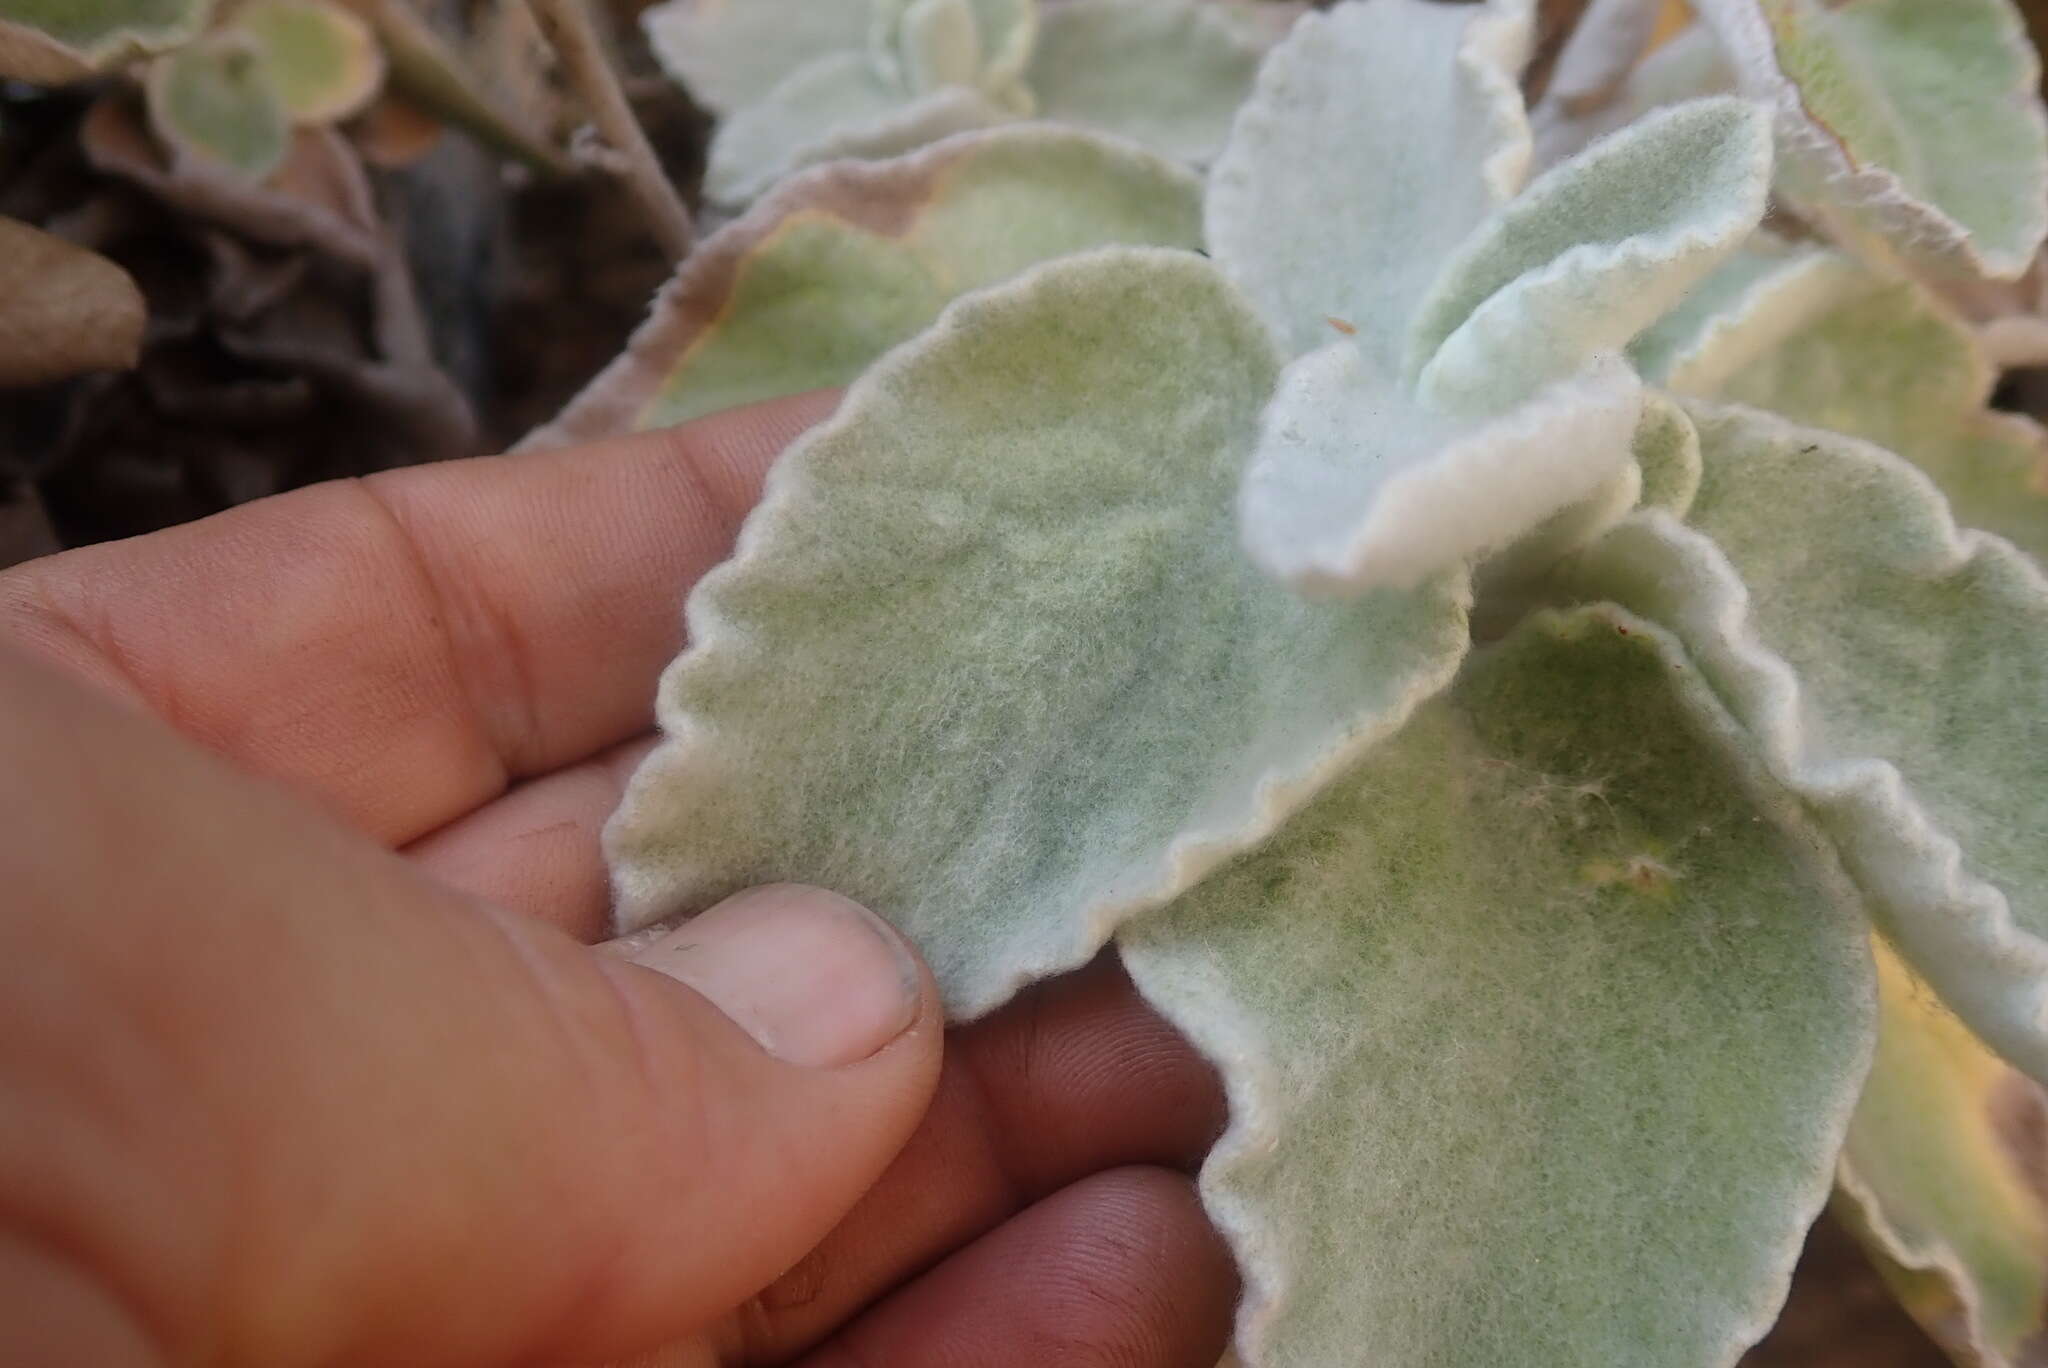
(270, 1096)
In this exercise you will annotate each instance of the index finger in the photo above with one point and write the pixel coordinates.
(405, 646)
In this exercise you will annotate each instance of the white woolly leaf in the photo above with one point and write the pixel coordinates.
(1355, 483)
(939, 44)
(1591, 253)
(1908, 126)
(1941, 1179)
(729, 53)
(1167, 73)
(1540, 1029)
(1816, 338)
(1890, 670)
(1377, 137)
(988, 659)
(1667, 448)
(1756, 299)
(837, 106)
(842, 262)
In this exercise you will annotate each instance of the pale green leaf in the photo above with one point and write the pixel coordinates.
(1377, 137)
(1008, 32)
(1757, 298)
(213, 102)
(1354, 483)
(1827, 344)
(1667, 449)
(49, 41)
(1166, 73)
(1540, 1029)
(842, 262)
(729, 53)
(1592, 253)
(988, 659)
(1907, 126)
(1941, 1177)
(324, 62)
(1890, 671)
(835, 107)
(939, 44)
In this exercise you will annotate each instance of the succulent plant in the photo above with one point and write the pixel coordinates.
(800, 82)
(1541, 777)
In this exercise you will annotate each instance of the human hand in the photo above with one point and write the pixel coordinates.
(273, 1094)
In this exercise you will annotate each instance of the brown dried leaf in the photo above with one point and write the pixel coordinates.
(63, 309)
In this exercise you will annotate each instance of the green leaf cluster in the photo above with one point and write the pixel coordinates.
(1542, 681)
(798, 82)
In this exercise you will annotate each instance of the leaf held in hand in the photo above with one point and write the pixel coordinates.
(988, 658)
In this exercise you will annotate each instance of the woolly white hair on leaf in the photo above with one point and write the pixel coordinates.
(1355, 484)
(1898, 693)
(1594, 251)
(1379, 135)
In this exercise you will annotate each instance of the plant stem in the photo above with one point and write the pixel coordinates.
(574, 37)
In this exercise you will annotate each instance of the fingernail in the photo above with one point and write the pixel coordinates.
(814, 978)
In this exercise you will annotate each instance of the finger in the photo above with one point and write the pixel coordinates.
(1075, 1077)
(1119, 1271)
(537, 850)
(405, 646)
(286, 1101)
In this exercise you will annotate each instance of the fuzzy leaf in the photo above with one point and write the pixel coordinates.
(1166, 73)
(50, 41)
(988, 659)
(323, 60)
(1825, 343)
(729, 53)
(1592, 253)
(1354, 483)
(924, 43)
(68, 310)
(1942, 1178)
(842, 262)
(1667, 448)
(1754, 301)
(214, 103)
(1909, 126)
(1890, 671)
(835, 107)
(1378, 136)
(1540, 1029)
(939, 44)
